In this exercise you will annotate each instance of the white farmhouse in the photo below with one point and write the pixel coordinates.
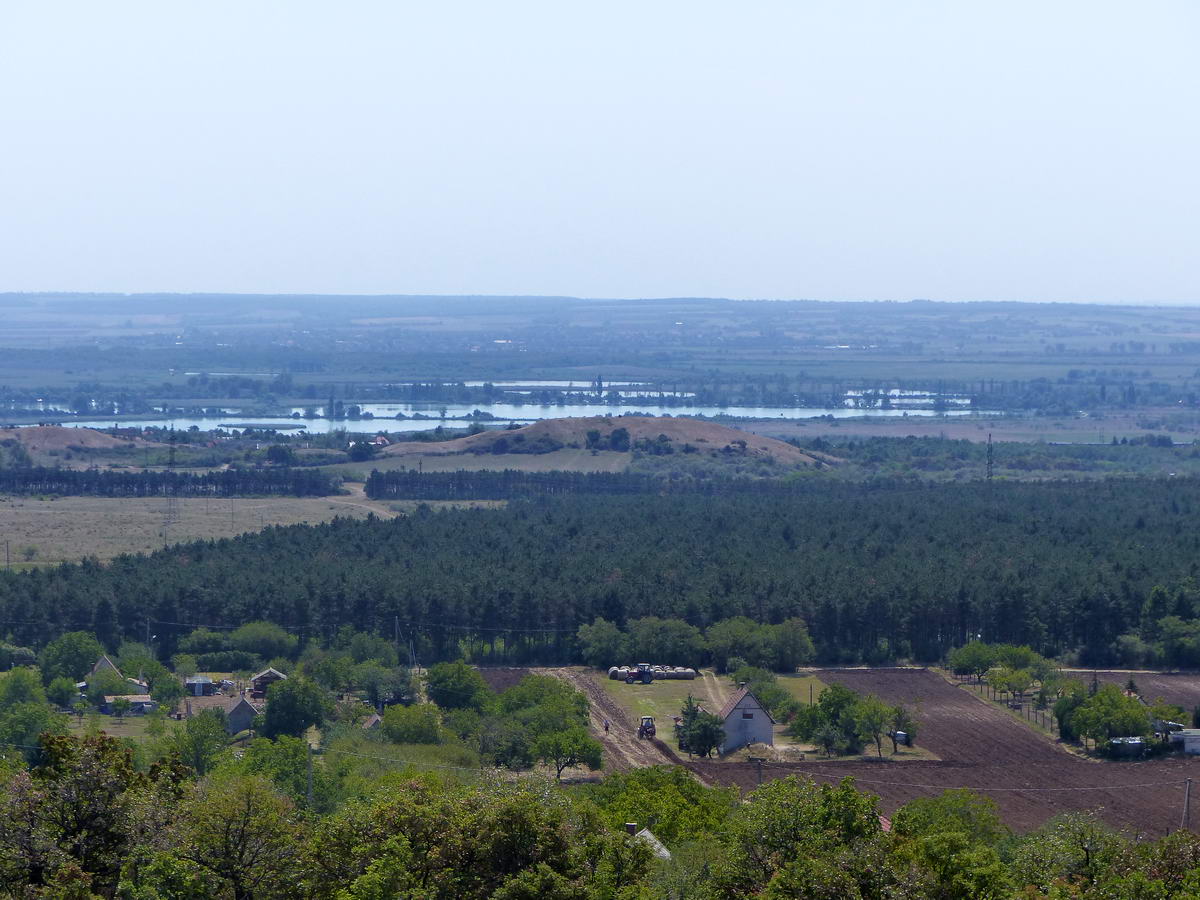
(745, 721)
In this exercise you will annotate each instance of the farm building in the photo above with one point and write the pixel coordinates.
(240, 716)
(138, 703)
(745, 721)
(263, 680)
(200, 686)
(371, 722)
(1187, 740)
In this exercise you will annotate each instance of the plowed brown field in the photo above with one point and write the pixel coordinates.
(985, 749)
(501, 678)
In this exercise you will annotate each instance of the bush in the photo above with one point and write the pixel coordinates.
(264, 639)
(72, 655)
(202, 640)
(456, 686)
(419, 724)
(62, 692)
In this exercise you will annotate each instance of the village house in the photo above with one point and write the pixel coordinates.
(263, 680)
(104, 664)
(240, 716)
(745, 721)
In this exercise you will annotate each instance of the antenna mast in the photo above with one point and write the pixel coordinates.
(171, 516)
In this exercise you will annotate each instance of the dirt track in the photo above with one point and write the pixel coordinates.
(982, 747)
(622, 748)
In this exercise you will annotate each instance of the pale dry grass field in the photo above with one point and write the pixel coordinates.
(70, 528)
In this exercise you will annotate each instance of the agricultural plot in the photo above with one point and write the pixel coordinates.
(67, 529)
(983, 748)
(1178, 688)
(664, 699)
(133, 727)
(661, 699)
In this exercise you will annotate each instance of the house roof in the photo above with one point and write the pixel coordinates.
(242, 701)
(104, 664)
(646, 836)
(265, 672)
(372, 721)
(198, 679)
(738, 696)
(132, 698)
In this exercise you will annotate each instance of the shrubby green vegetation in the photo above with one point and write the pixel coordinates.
(843, 721)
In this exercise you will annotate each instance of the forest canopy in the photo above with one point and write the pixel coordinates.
(876, 571)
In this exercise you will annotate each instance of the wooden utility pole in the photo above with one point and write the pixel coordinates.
(310, 764)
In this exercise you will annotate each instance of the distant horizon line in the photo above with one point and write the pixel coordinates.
(594, 299)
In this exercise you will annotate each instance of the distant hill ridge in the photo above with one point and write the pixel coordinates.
(60, 437)
(683, 435)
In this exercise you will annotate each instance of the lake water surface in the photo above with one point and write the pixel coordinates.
(385, 416)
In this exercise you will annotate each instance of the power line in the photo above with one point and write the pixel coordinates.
(942, 787)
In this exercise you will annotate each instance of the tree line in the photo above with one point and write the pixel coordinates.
(410, 484)
(233, 482)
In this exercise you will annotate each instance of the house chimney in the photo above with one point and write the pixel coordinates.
(741, 684)
(631, 827)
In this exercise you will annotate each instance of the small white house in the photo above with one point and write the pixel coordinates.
(746, 722)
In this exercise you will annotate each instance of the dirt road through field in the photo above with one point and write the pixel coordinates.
(623, 750)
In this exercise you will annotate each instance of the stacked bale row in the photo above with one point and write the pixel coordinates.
(618, 673)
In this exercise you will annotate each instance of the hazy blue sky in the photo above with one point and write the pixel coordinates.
(835, 150)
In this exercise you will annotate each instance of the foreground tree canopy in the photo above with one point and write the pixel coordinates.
(88, 822)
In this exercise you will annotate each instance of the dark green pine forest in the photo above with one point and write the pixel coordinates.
(1101, 571)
